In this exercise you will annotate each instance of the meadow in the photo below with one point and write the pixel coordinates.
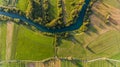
(31, 45)
(53, 9)
(22, 5)
(1, 2)
(115, 3)
(2, 40)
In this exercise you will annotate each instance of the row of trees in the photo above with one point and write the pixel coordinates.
(37, 10)
(57, 22)
(12, 10)
(6, 18)
(75, 12)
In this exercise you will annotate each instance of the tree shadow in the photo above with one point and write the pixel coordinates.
(108, 24)
(77, 63)
(92, 29)
(113, 21)
(101, 26)
(59, 41)
(112, 24)
(88, 33)
(111, 63)
(70, 38)
(89, 49)
(73, 39)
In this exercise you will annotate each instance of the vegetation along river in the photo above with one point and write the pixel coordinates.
(72, 27)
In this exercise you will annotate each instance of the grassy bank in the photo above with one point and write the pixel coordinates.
(53, 8)
(30, 45)
(2, 40)
(22, 4)
(1, 2)
(71, 48)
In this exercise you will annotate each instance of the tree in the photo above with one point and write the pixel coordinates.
(83, 28)
(52, 23)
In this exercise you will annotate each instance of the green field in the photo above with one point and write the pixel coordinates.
(103, 63)
(114, 3)
(22, 4)
(2, 40)
(1, 2)
(8, 2)
(53, 9)
(65, 63)
(68, 48)
(105, 44)
(101, 46)
(30, 45)
(117, 56)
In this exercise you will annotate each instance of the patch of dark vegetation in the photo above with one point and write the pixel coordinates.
(89, 49)
(92, 29)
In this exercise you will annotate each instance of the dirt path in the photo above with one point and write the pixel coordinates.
(58, 63)
(39, 64)
(10, 26)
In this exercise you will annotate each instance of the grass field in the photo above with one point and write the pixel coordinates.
(1, 2)
(65, 63)
(104, 63)
(22, 4)
(102, 46)
(2, 40)
(69, 49)
(117, 56)
(53, 10)
(30, 45)
(114, 3)
(105, 44)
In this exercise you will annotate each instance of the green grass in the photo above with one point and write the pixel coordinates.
(117, 56)
(68, 48)
(30, 45)
(22, 4)
(14, 64)
(102, 63)
(66, 63)
(102, 46)
(53, 10)
(105, 44)
(114, 3)
(2, 40)
(1, 2)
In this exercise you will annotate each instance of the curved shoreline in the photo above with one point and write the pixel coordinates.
(72, 27)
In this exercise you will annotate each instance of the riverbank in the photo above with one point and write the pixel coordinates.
(72, 27)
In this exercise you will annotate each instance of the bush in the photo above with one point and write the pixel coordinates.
(72, 3)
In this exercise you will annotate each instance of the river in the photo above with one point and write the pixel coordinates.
(72, 27)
